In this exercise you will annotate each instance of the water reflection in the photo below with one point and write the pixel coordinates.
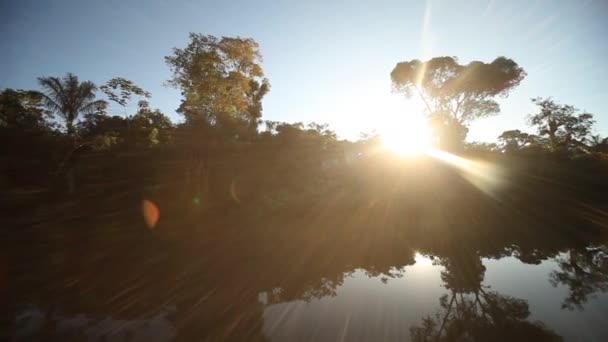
(472, 311)
(356, 271)
(584, 271)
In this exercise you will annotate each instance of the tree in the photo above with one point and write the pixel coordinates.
(103, 132)
(127, 89)
(597, 144)
(27, 139)
(514, 140)
(22, 110)
(455, 94)
(152, 127)
(69, 98)
(562, 124)
(146, 128)
(222, 83)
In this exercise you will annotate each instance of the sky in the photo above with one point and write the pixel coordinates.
(327, 61)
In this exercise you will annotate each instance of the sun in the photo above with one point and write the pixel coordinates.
(406, 135)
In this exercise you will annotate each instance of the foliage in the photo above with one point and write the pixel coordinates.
(561, 124)
(598, 144)
(222, 82)
(455, 94)
(120, 90)
(69, 98)
(515, 140)
(584, 272)
(147, 128)
(21, 110)
(151, 126)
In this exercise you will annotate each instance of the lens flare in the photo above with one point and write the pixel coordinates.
(151, 213)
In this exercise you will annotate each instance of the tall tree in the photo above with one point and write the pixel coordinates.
(564, 126)
(455, 94)
(69, 98)
(222, 82)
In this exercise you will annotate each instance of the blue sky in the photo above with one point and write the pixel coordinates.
(327, 61)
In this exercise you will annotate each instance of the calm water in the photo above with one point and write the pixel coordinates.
(354, 271)
(389, 291)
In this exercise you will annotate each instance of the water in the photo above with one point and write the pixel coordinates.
(371, 308)
(347, 272)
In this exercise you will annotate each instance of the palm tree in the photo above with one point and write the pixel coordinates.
(69, 98)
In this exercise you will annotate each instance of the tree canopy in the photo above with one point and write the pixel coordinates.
(562, 124)
(120, 90)
(69, 98)
(21, 110)
(456, 94)
(222, 82)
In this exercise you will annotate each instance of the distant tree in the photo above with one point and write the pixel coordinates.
(290, 133)
(103, 132)
(321, 132)
(481, 147)
(561, 124)
(69, 98)
(598, 144)
(146, 128)
(152, 126)
(22, 110)
(222, 82)
(369, 140)
(514, 140)
(455, 94)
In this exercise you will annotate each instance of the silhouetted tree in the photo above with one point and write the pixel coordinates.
(103, 131)
(514, 140)
(562, 124)
(455, 94)
(120, 90)
(22, 110)
(69, 98)
(597, 144)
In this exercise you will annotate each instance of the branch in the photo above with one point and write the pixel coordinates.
(445, 318)
(428, 107)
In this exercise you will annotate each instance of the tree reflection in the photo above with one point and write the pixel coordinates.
(481, 316)
(473, 313)
(584, 271)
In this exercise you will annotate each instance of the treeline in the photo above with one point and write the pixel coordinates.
(561, 129)
(74, 137)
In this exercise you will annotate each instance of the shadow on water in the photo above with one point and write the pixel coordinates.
(212, 275)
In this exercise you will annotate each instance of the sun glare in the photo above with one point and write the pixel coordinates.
(407, 136)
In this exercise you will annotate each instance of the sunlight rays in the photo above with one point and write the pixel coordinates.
(486, 176)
